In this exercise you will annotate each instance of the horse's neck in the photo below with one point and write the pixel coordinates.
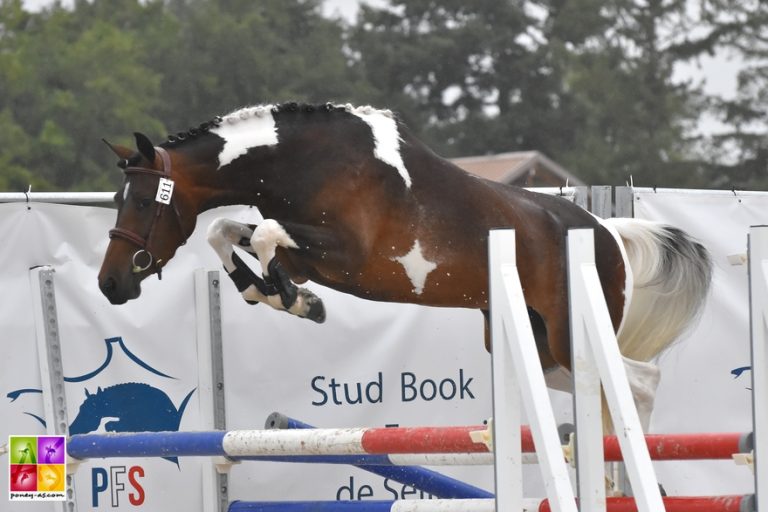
(277, 179)
(251, 180)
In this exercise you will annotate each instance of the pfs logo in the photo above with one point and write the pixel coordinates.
(120, 407)
(113, 481)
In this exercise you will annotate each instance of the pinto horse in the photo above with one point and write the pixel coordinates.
(353, 201)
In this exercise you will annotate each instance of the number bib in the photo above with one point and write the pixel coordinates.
(164, 191)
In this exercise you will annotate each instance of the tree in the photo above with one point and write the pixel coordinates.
(231, 53)
(104, 69)
(740, 152)
(591, 83)
(70, 81)
(469, 73)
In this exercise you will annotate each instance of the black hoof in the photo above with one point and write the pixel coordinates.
(315, 308)
(316, 311)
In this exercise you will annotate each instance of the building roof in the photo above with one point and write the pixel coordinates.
(523, 168)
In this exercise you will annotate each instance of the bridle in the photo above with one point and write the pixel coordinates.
(163, 198)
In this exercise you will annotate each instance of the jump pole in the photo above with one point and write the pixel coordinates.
(420, 478)
(671, 504)
(408, 441)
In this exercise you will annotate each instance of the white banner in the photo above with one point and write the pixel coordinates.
(705, 383)
(370, 364)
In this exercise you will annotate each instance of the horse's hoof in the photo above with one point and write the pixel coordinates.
(314, 309)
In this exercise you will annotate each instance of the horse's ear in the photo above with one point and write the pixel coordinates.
(145, 146)
(87, 394)
(98, 390)
(121, 151)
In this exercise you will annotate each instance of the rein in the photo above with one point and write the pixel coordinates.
(163, 198)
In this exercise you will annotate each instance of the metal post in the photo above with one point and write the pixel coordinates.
(581, 196)
(211, 379)
(50, 361)
(624, 202)
(602, 206)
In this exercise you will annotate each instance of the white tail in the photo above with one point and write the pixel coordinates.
(671, 277)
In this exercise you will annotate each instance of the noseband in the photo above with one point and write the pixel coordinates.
(163, 198)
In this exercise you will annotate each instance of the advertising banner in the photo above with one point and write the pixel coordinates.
(369, 364)
(705, 379)
(134, 367)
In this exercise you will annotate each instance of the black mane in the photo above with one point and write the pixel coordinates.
(286, 107)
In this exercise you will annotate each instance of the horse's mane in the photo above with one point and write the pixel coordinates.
(259, 110)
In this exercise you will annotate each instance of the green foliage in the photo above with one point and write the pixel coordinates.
(590, 83)
(105, 69)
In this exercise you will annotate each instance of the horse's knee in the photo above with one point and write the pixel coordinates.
(270, 234)
(223, 233)
(215, 233)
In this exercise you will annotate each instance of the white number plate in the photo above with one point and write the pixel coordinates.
(164, 191)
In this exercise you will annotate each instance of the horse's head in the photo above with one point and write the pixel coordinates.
(90, 414)
(154, 217)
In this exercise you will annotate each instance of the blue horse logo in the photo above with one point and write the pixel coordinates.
(123, 407)
(130, 407)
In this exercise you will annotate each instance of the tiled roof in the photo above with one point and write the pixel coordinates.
(516, 167)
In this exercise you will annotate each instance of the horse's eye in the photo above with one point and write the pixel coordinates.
(143, 203)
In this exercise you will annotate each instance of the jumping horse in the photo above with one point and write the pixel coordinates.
(353, 201)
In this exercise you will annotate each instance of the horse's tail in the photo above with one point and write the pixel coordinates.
(671, 275)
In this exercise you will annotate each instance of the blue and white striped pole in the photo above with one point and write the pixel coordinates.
(459, 505)
(420, 478)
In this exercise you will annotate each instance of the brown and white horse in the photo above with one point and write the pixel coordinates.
(353, 201)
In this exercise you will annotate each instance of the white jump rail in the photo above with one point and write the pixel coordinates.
(517, 374)
(596, 360)
(758, 293)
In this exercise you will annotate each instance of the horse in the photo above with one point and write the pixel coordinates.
(352, 200)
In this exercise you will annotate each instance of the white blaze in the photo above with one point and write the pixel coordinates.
(416, 266)
(386, 138)
(245, 129)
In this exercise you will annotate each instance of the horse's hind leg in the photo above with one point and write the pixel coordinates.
(281, 292)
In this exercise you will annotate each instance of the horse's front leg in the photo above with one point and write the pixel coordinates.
(281, 292)
(223, 235)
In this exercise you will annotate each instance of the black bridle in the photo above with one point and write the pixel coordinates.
(144, 242)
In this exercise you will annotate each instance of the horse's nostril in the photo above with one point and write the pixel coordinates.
(108, 285)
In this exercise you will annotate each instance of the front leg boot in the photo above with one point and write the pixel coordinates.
(279, 281)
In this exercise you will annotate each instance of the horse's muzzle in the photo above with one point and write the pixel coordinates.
(118, 292)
